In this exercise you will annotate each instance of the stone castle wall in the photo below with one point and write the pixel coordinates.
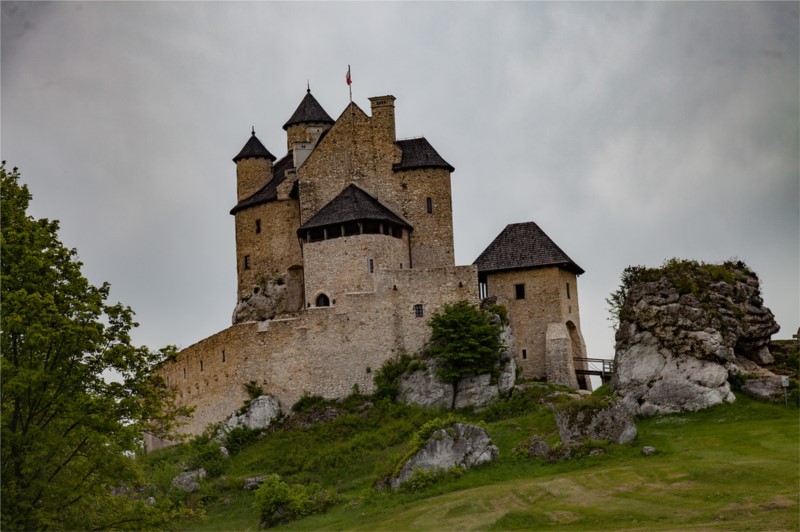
(272, 250)
(323, 351)
(545, 303)
(342, 265)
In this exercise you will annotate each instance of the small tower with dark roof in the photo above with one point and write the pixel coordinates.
(253, 167)
(307, 122)
(526, 272)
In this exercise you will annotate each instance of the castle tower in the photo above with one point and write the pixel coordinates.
(538, 284)
(253, 167)
(307, 122)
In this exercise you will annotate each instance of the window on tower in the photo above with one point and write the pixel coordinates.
(258, 226)
(429, 205)
(519, 291)
(247, 262)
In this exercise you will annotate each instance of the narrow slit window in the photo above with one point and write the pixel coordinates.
(247, 262)
(524, 354)
(568, 291)
(201, 365)
(258, 226)
(429, 205)
(519, 291)
(371, 266)
(223, 355)
(184, 373)
(418, 312)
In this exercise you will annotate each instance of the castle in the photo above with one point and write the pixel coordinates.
(344, 249)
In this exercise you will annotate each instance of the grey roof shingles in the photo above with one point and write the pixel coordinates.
(268, 192)
(308, 111)
(254, 148)
(353, 204)
(522, 246)
(418, 153)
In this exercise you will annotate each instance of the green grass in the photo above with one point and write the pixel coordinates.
(729, 467)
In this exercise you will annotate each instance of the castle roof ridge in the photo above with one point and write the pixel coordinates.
(521, 246)
(418, 153)
(352, 204)
(309, 111)
(255, 149)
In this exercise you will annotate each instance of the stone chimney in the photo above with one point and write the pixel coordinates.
(383, 119)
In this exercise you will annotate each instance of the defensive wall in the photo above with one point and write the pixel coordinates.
(323, 351)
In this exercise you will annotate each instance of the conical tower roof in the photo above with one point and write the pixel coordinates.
(254, 148)
(309, 110)
(523, 246)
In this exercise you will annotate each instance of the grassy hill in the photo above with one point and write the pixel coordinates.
(730, 467)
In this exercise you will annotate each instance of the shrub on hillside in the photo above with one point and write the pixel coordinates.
(279, 502)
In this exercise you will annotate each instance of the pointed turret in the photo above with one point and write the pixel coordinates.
(308, 122)
(253, 167)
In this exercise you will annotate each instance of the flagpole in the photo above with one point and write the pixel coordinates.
(350, 83)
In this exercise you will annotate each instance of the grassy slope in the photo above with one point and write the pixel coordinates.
(730, 467)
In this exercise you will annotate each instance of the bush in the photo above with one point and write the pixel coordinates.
(466, 341)
(308, 402)
(279, 502)
(239, 437)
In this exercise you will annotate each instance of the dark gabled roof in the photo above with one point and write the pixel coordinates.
(254, 148)
(418, 153)
(353, 204)
(309, 110)
(521, 246)
(268, 192)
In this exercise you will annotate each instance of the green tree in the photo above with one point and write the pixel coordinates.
(466, 340)
(69, 435)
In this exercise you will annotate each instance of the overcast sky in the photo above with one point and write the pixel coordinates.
(630, 132)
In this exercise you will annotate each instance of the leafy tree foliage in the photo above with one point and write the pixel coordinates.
(466, 340)
(69, 435)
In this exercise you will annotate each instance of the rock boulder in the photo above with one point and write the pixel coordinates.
(613, 423)
(189, 481)
(681, 329)
(460, 445)
(259, 414)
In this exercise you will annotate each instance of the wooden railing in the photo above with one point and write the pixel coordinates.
(601, 367)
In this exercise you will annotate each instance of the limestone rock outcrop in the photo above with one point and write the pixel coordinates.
(613, 423)
(259, 414)
(423, 387)
(460, 445)
(764, 388)
(189, 481)
(275, 297)
(681, 329)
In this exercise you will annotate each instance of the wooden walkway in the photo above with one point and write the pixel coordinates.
(601, 367)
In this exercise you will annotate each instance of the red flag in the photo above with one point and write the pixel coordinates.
(349, 80)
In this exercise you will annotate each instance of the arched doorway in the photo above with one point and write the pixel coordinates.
(323, 301)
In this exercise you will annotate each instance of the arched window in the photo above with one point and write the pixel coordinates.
(323, 301)
(429, 205)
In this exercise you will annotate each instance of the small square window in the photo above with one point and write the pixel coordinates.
(519, 290)
(247, 262)
(418, 311)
